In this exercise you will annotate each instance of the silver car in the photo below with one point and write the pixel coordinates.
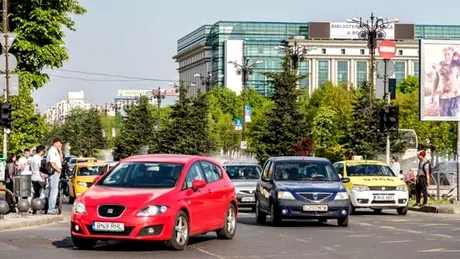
(244, 175)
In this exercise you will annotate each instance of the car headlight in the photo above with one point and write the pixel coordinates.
(83, 184)
(285, 196)
(342, 196)
(78, 207)
(152, 210)
(360, 188)
(402, 188)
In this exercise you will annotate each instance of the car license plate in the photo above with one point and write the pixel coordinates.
(315, 208)
(108, 226)
(383, 198)
(248, 199)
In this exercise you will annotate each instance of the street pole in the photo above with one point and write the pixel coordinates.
(458, 161)
(388, 102)
(206, 81)
(297, 54)
(7, 75)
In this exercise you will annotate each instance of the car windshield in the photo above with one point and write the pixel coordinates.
(305, 171)
(91, 170)
(369, 170)
(243, 171)
(73, 160)
(143, 175)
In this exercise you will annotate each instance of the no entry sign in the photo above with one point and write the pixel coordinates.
(387, 49)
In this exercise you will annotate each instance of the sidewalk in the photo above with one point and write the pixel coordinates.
(15, 221)
(444, 209)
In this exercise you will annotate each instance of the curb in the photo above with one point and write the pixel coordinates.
(5, 224)
(434, 209)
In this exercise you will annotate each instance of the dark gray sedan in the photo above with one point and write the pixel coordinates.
(244, 175)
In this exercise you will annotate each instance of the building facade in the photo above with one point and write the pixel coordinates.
(58, 112)
(337, 54)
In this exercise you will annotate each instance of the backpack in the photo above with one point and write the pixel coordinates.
(46, 168)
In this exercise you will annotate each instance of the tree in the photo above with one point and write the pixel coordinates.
(137, 131)
(189, 132)
(93, 133)
(39, 44)
(408, 85)
(363, 137)
(285, 125)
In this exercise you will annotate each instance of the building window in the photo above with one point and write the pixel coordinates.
(304, 71)
(400, 71)
(342, 71)
(361, 72)
(416, 65)
(400, 52)
(323, 51)
(362, 51)
(343, 51)
(323, 71)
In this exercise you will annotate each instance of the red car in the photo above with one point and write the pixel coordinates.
(165, 198)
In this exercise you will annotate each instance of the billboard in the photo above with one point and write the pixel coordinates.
(344, 30)
(133, 93)
(439, 80)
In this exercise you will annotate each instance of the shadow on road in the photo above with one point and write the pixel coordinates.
(251, 221)
(128, 246)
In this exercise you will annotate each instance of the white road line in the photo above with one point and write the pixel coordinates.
(435, 224)
(209, 253)
(441, 235)
(329, 248)
(302, 240)
(438, 250)
(396, 241)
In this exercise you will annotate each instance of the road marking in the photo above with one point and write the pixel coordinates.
(209, 253)
(365, 224)
(438, 250)
(396, 241)
(364, 235)
(302, 240)
(329, 248)
(441, 235)
(435, 224)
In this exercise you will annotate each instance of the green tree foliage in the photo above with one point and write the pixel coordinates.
(285, 126)
(189, 131)
(39, 44)
(137, 131)
(440, 136)
(363, 137)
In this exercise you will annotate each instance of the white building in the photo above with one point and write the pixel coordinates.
(58, 112)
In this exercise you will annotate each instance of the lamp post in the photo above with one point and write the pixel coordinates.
(206, 81)
(372, 31)
(158, 95)
(245, 70)
(296, 52)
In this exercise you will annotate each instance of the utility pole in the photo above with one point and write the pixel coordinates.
(388, 102)
(7, 72)
(158, 95)
(245, 70)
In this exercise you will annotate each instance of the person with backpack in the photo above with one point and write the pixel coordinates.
(423, 179)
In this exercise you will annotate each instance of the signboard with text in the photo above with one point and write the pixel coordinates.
(344, 30)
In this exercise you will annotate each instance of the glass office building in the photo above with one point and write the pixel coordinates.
(209, 48)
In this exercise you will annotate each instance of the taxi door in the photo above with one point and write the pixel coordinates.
(265, 186)
(342, 171)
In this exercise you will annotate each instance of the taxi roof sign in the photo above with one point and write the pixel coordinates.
(357, 158)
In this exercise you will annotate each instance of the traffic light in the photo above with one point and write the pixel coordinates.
(392, 118)
(6, 115)
(381, 120)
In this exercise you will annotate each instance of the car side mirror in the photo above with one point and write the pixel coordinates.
(345, 180)
(198, 184)
(96, 179)
(340, 176)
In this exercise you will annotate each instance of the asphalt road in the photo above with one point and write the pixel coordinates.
(369, 236)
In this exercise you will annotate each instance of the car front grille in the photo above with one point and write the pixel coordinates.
(315, 196)
(246, 191)
(382, 188)
(110, 211)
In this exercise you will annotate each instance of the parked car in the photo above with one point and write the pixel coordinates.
(165, 198)
(244, 175)
(301, 188)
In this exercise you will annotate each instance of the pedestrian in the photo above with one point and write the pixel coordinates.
(423, 179)
(396, 166)
(55, 162)
(10, 173)
(38, 177)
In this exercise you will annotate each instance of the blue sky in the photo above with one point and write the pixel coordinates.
(138, 37)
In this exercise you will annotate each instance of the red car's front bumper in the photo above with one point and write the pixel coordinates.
(155, 228)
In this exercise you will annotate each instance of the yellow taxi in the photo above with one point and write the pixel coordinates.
(373, 185)
(83, 176)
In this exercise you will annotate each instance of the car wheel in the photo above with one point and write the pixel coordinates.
(180, 235)
(343, 222)
(402, 211)
(261, 217)
(377, 211)
(275, 218)
(84, 243)
(71, 199)
(229, 229)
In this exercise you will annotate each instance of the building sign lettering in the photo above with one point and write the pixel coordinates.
(344, 30)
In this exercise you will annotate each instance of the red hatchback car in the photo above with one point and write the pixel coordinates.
(165, 198)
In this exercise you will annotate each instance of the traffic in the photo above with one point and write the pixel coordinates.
(170, 198)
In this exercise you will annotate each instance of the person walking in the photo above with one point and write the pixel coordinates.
(38, 178)
(54, 159)
(396, 166)
(423, 179)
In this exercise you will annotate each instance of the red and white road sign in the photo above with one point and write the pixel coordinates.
(387, 49)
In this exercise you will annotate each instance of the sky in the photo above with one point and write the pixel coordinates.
(137, 38)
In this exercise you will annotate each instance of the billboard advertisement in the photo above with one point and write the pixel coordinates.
(344, 30)
(439, 80)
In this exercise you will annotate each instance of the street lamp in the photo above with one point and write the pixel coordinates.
(206, 81)
(372, 31)
(296, 52)
(245, 70)
(158, 95)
